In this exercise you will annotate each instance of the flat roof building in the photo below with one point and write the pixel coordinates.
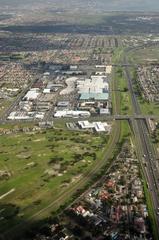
(63, 104)
(94, 96)
(97, 84)
(19, 115)
(71, 114)
(97, 126)
(104, 111)
(96, 88)
(32, 94)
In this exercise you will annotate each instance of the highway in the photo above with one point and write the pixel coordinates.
(145, 149)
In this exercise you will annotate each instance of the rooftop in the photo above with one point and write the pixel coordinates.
(95, 96)
(97, 84)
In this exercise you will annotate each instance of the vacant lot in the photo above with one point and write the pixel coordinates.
(146, 55)
(35, 167)
(125, 106)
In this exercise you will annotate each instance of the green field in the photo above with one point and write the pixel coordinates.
(145, 55)
(125, 106)
(121, 86)
(40, 166)
(149, 108)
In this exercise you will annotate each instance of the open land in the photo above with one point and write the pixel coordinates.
(43, 163)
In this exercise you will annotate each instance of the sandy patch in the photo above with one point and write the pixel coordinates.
(39, 140)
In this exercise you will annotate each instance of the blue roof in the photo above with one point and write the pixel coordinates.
(95, 96)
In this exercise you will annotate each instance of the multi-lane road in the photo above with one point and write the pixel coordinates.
(145, 149)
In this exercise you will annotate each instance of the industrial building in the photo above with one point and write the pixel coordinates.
(63, 104)
(32, 94)
(94, 94)
(19, 115)
(97, 126)
(51, 87)
(95, 88)
(70, 82)
(71, 114)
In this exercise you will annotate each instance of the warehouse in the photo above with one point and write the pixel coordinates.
(25, 105)
(96, 88)
(108, 69)
(104, 111)
(71, 114)
(32, 94)
(51, 87)
(97, 126)
(97, 84)
(63, 104)
(94, 96)
(19, 115)
(70, 82)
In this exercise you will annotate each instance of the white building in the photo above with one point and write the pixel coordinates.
(97, 126)
(25, 105)
(22, 115)
(32, 94)
(104, 111)
(97, 84)
(71, 114)
(47, 90)
(108, 69)
(19, 115)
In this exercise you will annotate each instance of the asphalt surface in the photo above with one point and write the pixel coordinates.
(145, 149)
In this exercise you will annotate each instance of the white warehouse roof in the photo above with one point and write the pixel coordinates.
(32, 94)
(71, 113)
(19, 115)
(98, 126)
(97, 84)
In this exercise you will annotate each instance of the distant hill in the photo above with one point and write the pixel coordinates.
(99, 5)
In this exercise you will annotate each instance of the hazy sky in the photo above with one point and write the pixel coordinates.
(110, 5)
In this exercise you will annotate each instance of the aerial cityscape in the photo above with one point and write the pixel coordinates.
(79, 120)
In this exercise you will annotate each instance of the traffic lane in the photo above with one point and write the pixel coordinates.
(151, 159)
(151, 178)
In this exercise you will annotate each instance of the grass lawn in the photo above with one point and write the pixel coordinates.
(148, 108)
(145, 55)
(40, 166)
(121, 88)
(125, 105)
